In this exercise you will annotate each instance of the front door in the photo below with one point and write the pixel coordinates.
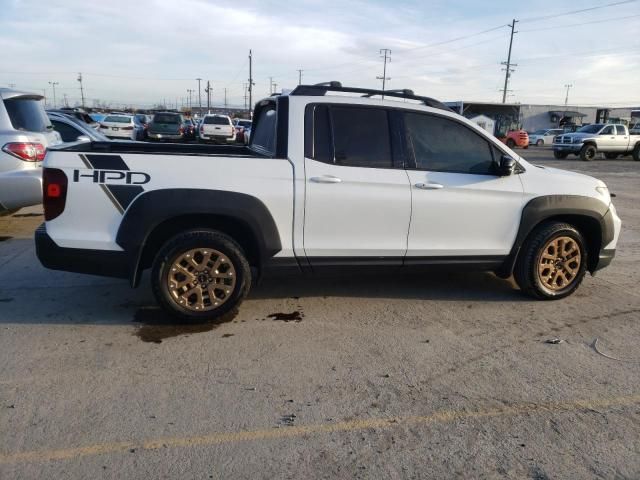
(357, 203)
(461, 208)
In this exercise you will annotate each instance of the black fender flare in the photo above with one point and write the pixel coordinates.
(547, 207)
(155, 207)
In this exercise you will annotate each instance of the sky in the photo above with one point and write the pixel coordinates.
(149, 52)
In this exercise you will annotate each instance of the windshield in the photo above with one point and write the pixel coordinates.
(539, 132)
(244, 123)
(166, 118)
(117, 119)
(595, 128)
(216, 121)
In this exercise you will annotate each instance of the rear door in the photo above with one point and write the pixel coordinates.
(461, 208)
(622, 139)
(357, 197)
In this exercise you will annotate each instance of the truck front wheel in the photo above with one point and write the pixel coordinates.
(200, 275)
(552, 262)
(588, 152)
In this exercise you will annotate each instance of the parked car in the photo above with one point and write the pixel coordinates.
(80, 114)
(242, 125)
(98, 117)
(189, 129)
(126, 127)
(217, 128)
(634, 129)
(395, 186)
(166, 126)
(544, 136)
(608, 138)
(516, 138)
(144, 120)
(73, 130)
(25, 134)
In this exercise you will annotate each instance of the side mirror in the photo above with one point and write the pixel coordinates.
(83, 138)
(507, 166)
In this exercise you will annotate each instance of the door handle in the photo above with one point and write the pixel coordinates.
(429, 186)
(326, 179)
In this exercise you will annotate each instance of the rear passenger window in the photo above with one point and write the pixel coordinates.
(443, 145)
(620, 130)
(361, 137)
(67, 132)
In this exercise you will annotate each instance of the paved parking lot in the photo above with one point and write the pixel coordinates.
(437, 376)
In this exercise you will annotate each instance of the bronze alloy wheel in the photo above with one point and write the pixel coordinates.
(559, 263)
(201, 279)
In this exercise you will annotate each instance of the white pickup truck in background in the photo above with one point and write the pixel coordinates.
(328, 182)
(611, 139)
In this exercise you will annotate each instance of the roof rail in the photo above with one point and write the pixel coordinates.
(321, 89)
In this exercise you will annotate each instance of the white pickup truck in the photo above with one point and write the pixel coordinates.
(611, 139)
(333, 178)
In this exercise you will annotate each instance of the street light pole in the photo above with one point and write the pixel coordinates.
(53, 85)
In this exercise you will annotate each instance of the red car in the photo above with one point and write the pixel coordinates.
(241, 124)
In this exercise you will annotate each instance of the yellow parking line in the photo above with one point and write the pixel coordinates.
(443, 416)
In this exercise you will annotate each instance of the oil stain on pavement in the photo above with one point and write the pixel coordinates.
(296, 316)
(156, 325)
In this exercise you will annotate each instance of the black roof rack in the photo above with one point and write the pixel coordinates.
(320, 89)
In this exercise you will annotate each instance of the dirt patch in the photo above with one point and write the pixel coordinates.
(157, 325)
(4, 239)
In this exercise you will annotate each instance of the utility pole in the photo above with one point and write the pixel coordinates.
(66, 102)
(53, 85)
(508, 63)
(275, 87)
(225, 97)
(12, 85)
(44, 94)
(270, 85)
(386, 54)
(81, 89)
(300, 76)
(208, 90)
(199, 97)
(566, 99)
(251, 84)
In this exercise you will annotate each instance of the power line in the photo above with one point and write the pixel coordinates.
(578, 24)
(573, 12)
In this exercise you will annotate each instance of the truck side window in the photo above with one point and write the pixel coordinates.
(620, 130)
(361, 137)
(264, 137)
(442, 145)
(608, 131)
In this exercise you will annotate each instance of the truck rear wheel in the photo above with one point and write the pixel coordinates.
(560, 155)
(552, 262)
(200, 275)
(636, 153)
(588, 153)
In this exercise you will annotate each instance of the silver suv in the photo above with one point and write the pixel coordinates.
(25, 133)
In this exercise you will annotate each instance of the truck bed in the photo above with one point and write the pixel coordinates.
(160, 149)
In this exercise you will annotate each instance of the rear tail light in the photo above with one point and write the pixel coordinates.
(201, 129)
(127, 128)
(27, 151)
(181, 130)
(54, 192)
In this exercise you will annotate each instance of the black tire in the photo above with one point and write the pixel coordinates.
(526, 268)
(511, 143)
(588, 153)
(636, 153)
(540, 143)
(610, 156)
(199, 239)
(560, 155)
